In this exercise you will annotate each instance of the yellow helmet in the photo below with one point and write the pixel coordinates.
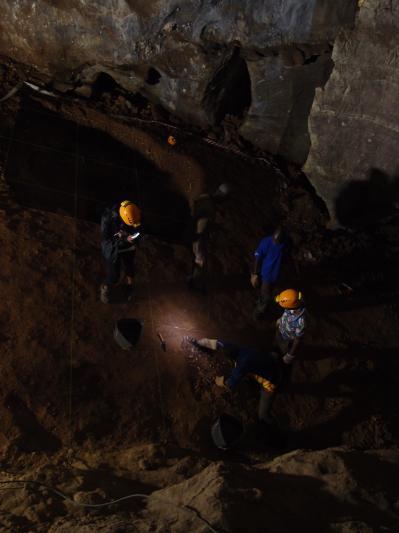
(130, 213)
(289, 299)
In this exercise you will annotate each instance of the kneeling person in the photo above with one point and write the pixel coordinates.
(264, 367)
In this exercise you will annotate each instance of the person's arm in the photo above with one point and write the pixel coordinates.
(255, 274)
(109, 242)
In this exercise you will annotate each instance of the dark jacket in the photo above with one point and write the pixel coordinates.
(249, 361)
(111, 224)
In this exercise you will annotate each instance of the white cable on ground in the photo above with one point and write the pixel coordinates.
(190, 510)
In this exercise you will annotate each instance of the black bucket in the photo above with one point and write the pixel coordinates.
(127, 332)
(226, 431)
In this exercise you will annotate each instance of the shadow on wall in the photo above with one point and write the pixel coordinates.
(366, 202)
(229, 92)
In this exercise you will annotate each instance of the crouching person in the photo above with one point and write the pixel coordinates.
(264, 367)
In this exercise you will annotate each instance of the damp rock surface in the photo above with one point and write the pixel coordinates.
(201, 61)
(354, 121)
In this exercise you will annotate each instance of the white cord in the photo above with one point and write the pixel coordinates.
(190, 510)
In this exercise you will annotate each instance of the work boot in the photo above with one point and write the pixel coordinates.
(104, 294)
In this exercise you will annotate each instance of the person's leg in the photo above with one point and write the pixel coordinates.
(197, 279)
(280, 343)
(129, 267)
(113, 270)
(229, 349)
(264, 297)
(213, 345)
(265, 404)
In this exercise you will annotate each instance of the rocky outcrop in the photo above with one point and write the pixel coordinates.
(354, 120)
(333, 490)
(202, 60)
(336, 490)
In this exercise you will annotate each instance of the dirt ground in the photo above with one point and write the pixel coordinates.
(67, 389)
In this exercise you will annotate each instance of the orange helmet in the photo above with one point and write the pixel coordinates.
(289, 299)
(130, 213)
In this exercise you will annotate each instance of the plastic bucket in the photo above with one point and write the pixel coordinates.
(226, 431)
(127, 332)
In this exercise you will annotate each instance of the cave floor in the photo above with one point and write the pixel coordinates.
(66, 385)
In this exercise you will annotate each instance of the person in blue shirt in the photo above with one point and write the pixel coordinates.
(266, 270)
(263, 367)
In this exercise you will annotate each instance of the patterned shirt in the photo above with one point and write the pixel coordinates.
(292, 324)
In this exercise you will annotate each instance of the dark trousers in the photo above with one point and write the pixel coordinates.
(266, 398)
(197, 278)
(113, 269)
(282, 345)
(264, 298)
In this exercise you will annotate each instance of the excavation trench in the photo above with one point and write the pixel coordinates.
(67, 377)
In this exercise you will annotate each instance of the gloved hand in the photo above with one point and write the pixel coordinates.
(219, 381)
(288, 358)
(131, 238)
(255, 280)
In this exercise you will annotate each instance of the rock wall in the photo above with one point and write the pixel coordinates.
(258, 60)
(333, 490)
(354, 121)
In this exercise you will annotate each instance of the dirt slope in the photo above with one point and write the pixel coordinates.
(68, 390)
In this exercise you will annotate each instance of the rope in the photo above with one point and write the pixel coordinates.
(190, 510)
(73, 292)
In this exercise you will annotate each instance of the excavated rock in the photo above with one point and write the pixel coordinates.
(354, 120)
(335, 490)
(201, 60)
(331, 490)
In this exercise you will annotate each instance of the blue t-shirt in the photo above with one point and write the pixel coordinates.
(270, 254)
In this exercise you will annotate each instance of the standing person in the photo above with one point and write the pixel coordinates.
(291, 325)
(264, 367)
(120, 227)
(204, 211)
(266, 268)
